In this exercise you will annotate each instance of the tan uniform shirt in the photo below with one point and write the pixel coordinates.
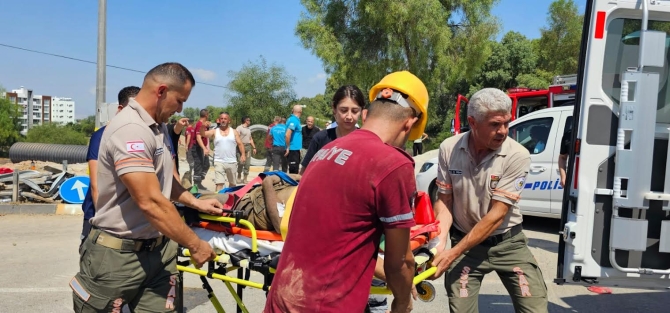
(245, 134)
(501, 176)
(132, 142)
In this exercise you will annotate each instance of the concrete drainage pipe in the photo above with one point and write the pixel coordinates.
(258, 128)
(28, 151)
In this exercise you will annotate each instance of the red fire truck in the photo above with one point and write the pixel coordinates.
(524, 101)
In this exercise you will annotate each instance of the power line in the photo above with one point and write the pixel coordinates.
(91, 62)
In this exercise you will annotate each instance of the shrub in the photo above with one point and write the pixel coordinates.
(56, 134)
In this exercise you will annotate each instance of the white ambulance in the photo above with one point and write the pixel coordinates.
(616, 207)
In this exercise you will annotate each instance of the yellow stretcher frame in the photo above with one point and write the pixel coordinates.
(419, 280)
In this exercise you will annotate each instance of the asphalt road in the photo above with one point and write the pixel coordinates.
(40, 257)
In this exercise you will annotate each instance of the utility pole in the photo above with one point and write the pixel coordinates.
(100, 89)
(30, 109)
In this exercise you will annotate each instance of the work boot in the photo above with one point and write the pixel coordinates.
(245, 179)
(239, 176)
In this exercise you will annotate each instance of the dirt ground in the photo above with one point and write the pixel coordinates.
(77, 169)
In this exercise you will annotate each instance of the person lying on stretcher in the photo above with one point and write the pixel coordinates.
(263, 206)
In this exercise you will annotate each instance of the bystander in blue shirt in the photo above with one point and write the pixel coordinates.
(279, 135)
(87, 206)
(293, 123)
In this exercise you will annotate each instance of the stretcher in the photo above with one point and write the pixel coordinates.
(240, 249)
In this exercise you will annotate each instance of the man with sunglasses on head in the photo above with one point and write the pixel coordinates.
(342, 232)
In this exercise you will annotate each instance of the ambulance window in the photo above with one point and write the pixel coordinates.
(532, 134)
(621, 52)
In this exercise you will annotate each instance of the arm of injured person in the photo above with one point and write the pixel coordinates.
(271, 199)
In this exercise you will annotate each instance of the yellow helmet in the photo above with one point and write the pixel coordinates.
(400, 87)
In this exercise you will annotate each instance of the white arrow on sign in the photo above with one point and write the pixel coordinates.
(80, 189)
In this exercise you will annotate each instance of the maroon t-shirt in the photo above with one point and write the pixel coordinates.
(197, 131)
(190, 131)
(355, 187)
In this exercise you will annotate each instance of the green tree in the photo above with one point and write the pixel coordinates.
(191, 113)
(10, 126)
(512, 58)
(56, 134)
(318, 107)
(559, 44)
(85, 126)
(214, 113)
(538, 79)
(260, 91)
(442, 42)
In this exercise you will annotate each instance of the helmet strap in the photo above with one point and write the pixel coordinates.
(400, 99)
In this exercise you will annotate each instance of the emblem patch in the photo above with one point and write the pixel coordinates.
(159, 151)
(493, 184)
(455, 172)
(519, 183)
(135, 146)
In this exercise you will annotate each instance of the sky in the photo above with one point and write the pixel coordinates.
(210, 37)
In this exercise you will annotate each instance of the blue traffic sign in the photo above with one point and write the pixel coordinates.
(74, 189)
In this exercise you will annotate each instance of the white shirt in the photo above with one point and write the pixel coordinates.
(225, 147)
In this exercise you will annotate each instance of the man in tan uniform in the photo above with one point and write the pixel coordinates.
(481, 174)
(129, 256)
(243, 164)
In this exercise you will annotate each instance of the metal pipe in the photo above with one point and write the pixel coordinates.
(27, 194)
(645, 21)
(15, 186)
(27, 151)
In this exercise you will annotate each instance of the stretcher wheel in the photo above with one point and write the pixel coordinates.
(426, 291)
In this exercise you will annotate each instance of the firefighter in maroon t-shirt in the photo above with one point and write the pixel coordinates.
(329, 256)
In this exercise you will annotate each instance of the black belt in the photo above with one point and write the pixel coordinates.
(492, 240)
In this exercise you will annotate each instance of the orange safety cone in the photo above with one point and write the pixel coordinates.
(423, 211)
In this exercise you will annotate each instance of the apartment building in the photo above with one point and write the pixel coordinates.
(41, 106)
(45, 108)
(62, 110)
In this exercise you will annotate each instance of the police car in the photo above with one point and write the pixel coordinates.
(542, 195)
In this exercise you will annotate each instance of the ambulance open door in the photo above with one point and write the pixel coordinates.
(616, 210)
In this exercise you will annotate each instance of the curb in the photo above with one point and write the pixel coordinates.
(35, 208)
(69, 209)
